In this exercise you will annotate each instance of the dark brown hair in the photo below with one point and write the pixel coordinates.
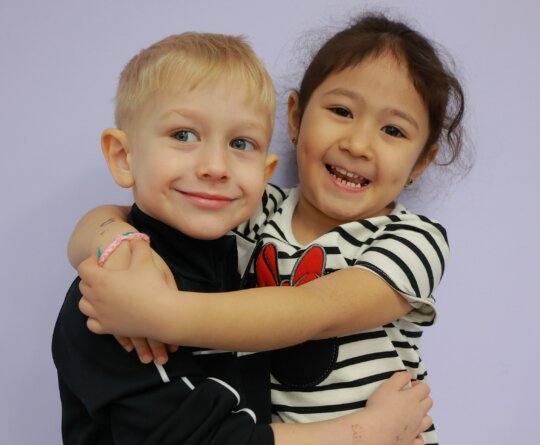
(374, 34)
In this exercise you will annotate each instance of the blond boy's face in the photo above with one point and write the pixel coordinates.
(199, 157)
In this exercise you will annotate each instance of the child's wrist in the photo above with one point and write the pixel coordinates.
(105, 235)
(104, 254)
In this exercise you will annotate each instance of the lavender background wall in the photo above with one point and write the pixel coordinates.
(59, 65)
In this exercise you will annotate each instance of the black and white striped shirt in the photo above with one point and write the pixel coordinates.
(324, 379)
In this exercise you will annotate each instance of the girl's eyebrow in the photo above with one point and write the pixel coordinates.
(403, 115)
(344, 92)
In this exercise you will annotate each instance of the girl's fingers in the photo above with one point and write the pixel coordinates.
(85, 307)
(159, 351)
(140, 252)
(95, 326)
(143, 350)
(125, 342)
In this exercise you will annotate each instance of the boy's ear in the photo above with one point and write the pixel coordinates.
(116, 152)
(426, 160)
(270, 166)
(293, 115)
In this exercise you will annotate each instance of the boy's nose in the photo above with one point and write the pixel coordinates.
(212, 163)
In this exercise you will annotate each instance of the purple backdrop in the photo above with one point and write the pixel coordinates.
(60, 62)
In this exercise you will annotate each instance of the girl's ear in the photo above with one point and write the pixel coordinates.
(423, 163)
(116, 152)
(293, 114)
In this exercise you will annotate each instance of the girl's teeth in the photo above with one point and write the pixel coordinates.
(362, 182)
(345, 172)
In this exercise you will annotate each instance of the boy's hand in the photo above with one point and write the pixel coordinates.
(118, 302)
(400, 411)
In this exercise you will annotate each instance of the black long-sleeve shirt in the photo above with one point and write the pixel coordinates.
(199, 397)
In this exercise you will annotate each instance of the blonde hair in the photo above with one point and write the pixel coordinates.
(199, 58)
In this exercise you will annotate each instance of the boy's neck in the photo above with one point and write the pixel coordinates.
(197, 265)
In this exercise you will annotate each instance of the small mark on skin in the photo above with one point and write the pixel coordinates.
(356, 433)
(106, 223)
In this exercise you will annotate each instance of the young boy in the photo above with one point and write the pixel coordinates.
(194, 116)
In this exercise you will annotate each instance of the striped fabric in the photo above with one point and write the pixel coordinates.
(408, 251)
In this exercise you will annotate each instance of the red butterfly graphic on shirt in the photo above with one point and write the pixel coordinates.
(309, 266)
(309, 363)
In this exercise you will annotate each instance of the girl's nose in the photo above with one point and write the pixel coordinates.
(358, 141)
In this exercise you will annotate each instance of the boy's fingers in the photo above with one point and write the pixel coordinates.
(427, 421)
(399, 380)
(172, 348)
(427, 403)
(421, 388)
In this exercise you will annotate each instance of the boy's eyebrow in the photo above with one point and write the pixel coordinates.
(252, 123)
(391, 111)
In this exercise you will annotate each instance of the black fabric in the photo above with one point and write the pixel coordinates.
(304, 365)
(109, 397)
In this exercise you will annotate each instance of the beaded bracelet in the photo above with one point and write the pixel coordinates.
(126, 236)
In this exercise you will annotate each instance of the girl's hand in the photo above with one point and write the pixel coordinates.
(147, 350)
(122, 302)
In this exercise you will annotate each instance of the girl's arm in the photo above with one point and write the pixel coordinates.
(97, 229)
(137, 302)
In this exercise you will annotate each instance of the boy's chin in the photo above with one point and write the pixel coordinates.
(205, 232)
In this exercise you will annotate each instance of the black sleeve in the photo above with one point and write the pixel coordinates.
(108, 394)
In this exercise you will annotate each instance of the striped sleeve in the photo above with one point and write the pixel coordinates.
(410, 255)
(271, 201)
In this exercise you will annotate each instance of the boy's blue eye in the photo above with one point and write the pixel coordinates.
(393, 131)
(185, 136)
(341, 111)
(242, 144)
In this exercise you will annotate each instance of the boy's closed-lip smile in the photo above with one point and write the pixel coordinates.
(206, 200)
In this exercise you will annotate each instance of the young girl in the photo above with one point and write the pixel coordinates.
(375, 105)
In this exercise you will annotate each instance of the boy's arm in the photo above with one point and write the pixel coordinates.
(97, 229)
(137, 302)
(393, 415)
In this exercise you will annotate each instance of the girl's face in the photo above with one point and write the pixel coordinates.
(359, 142)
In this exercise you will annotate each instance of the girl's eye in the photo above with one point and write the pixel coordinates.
(341, 111)
(242, 144)
(185, 136)
(393, 131)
